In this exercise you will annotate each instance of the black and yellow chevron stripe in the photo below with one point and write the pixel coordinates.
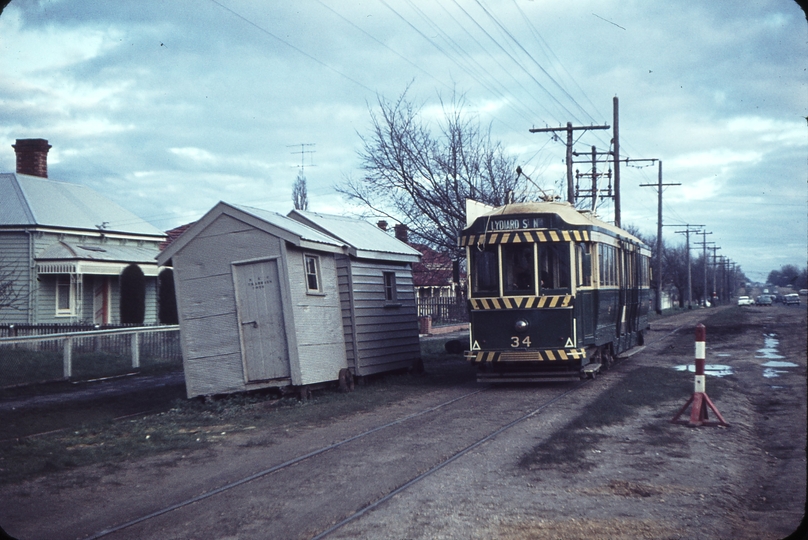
(522, 302)
(517, 237)
(539, 355)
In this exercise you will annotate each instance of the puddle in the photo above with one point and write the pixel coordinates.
(769, 350)
(715, 370)
(774, 364)
(770, 373)
(722, 354)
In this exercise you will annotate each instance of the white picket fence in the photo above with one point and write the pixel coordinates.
(154, 342)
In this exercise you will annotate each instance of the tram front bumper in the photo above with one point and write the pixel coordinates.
(573, 357)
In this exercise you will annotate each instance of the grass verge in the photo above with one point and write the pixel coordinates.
(192, 425)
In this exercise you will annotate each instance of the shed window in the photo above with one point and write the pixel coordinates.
(65, 304)
(390, 286)
(312, 263)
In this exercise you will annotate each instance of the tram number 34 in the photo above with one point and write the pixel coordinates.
(516, 343)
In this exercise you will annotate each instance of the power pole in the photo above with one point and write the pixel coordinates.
(569, 129)
(595, 191)
(616, 151)
(687, 232)
(703, 244)
(715, 265)
(659, 185)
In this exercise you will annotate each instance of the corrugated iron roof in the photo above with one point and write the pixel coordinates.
(297, 228)
(357, 233)
(145, 254)
(33, 201)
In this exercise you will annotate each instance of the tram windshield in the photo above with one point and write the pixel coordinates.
(519, 264)
(554, 261)
(519, 269)
(485, 271)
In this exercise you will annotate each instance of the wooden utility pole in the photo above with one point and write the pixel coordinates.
(659, 185)
(687, 232)
(715, 266)
(616, 150)
(569, 129)
(703, 244)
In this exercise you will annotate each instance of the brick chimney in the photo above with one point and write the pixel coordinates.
(32, 156)
(401, 232)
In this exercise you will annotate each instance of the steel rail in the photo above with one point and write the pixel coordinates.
(324, 449)
(276, 468)
(372, 506)
(446, 462)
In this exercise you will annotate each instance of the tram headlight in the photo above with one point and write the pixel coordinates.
(521, 325)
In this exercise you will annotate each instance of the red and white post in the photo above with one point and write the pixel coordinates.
(700, 400)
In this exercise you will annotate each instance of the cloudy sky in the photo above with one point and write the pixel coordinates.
(170, 107)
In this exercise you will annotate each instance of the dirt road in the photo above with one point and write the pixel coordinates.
(599, 460)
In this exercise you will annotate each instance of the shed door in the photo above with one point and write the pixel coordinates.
(260, 317)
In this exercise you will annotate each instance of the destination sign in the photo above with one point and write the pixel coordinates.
(518, 223)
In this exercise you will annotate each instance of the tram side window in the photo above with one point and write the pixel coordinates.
(554, 262)
(645, 275)
(584, 257)
(518, 269)
(608, 265)
(485, 272)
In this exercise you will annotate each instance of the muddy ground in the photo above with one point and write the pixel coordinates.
(602, 462)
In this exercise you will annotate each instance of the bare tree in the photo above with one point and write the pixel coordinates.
(300, 196)
(12, 295)
(422, 179)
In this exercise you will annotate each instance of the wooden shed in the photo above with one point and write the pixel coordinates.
(258, 302)
(379, 310)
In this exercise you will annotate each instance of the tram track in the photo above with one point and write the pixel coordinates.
(437, 467)
(366, 506)
(275, 468)
(445, 462)
(380, 500)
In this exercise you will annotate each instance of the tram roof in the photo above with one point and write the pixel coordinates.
(563, 210)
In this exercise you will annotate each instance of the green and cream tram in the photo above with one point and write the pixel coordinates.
(554, 293)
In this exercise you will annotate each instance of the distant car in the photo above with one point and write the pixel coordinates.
(745, 301)
(804, 292)
(763, 300)
(792, 298)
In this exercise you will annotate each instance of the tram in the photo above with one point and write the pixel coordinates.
(554, 293)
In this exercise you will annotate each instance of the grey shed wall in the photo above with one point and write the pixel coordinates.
(379, 335)
(209, 324)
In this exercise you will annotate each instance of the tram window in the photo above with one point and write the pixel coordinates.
(584, 255)
(485, 272)
(608, 265)
(554, 262)
(518, 268)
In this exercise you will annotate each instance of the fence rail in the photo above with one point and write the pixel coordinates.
(20, 330)
(88, 354)
(444, 310)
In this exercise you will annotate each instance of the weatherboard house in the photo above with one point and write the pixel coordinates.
(267, 300)
(68, 254)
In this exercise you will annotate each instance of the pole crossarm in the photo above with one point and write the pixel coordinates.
(567, 128)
